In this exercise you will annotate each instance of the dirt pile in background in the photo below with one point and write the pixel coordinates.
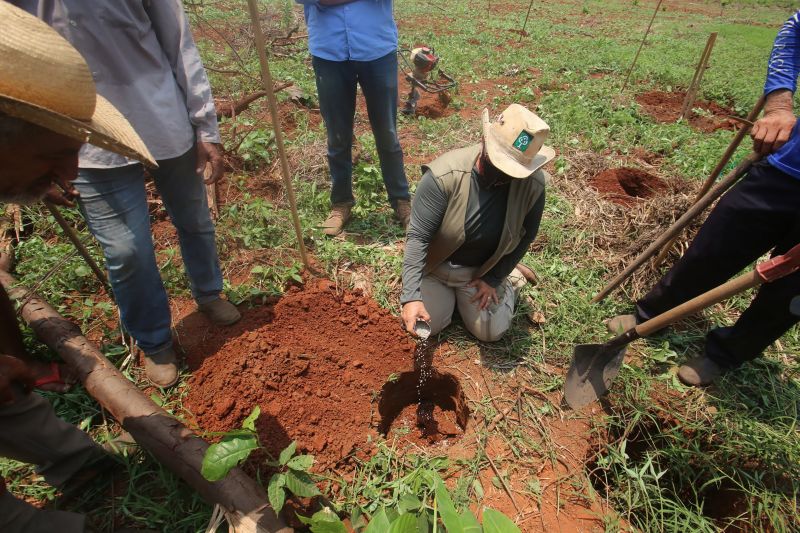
(666, 107)
(627, 185)
(315, 362)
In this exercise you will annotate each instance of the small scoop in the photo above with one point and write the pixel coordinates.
(422, 328)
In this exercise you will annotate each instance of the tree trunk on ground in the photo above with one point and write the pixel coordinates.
(167, 439)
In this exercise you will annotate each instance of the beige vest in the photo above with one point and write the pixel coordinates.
(453, 172)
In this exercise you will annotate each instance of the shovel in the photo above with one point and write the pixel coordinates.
(594, 366)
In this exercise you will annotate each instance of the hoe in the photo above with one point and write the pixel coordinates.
(594, 366)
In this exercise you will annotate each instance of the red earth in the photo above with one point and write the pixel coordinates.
(626, 186)
(315, 361)
(666, 107)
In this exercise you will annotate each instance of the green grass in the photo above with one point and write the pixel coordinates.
(667, 458)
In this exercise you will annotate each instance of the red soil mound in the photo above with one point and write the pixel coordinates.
(626, 185)
(666, 107)
(315, 362)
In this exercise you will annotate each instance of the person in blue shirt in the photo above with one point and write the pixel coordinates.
(354, 42)
(758, 215)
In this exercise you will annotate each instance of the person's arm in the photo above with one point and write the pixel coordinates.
(175, 36)
(503, 268)
(428, 209)
(772, 130)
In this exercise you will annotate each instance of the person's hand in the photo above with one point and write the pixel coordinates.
(62, 192)
(210, 153)
(411, 312)
(772, 130)
(485, 296)
(13, 370)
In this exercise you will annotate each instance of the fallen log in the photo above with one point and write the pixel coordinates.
(155, 430)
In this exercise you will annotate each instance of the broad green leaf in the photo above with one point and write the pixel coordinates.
(221, 457)
(301, 462)
(275, 491)
(497, 522)
(405, 523)
(300, 484)
(287, 453)
(250, 421)
(469, 523)
(326, 521)
(448, 511)
(409, 502)
(379, 523)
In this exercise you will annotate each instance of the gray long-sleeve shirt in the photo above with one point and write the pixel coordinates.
(483, 225)
(145, 62)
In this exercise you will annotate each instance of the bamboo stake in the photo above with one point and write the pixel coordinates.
(76, 241)
(266, 79)
(641, 45)
(694, 86)
(525, 24)
(726, 157)
(740, 170)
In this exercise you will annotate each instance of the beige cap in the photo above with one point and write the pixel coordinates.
(44, 80)
(515, 141)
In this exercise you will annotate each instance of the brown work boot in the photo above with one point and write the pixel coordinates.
(699, 372)
(528, 273)
(162, 367)
(220, 312)
(402, 212)
(621, 323)
(334, 224)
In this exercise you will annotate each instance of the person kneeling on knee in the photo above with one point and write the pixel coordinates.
(475, 212)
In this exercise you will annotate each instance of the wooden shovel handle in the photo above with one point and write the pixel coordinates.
(698, 303)
(768, 271)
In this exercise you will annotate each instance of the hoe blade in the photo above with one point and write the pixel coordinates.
(594, 367)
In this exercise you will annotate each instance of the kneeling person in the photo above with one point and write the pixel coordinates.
(475, 212)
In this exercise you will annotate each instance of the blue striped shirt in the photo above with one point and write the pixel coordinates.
(782, 72)
(361, 30)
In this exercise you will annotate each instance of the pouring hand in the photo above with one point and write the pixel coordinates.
(411, 312)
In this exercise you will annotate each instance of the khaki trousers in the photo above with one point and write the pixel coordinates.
(31, 432)
(445, 288)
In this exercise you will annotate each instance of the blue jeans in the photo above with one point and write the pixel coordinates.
(336, 85)
(114, 203)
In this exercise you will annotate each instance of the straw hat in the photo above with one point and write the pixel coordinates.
(44, 80)
(515, 141)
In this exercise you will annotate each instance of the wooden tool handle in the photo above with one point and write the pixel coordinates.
(766, 272)
(698, 303)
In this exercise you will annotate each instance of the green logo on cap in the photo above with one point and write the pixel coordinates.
(523, 141)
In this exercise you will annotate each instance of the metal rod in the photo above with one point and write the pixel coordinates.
(266, 79)
(709, 198)
(726, 157)
(691, 94)
(636, 57)
(525, 24)
(69, 231)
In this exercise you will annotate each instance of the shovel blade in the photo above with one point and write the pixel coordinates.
(594, 367)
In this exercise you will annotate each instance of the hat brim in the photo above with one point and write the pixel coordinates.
(107, 128)
(504, 160)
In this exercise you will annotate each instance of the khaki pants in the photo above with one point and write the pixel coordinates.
(31, 432)
(445, 288)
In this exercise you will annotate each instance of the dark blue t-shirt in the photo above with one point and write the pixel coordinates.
(782, 72)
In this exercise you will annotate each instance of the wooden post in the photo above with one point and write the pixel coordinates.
(525, 24)
(636, 57)
(694, 86)
(726, 157)
(155, 430)
(266, 80)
